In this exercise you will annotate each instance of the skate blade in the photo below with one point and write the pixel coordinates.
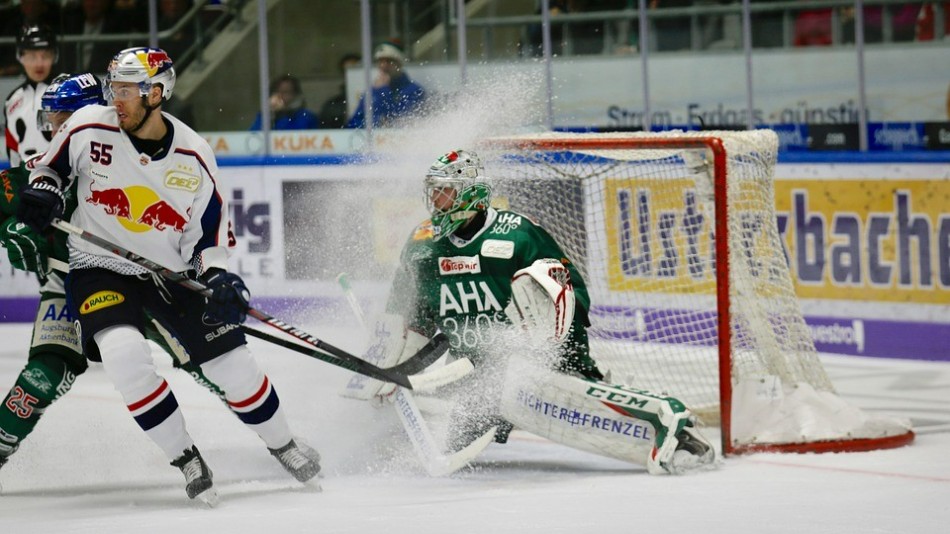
(313, 485)
(685, 463)
(208, 497)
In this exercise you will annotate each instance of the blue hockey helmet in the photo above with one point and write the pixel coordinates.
(66, 94)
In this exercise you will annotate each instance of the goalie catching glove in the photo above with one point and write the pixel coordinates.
(542, 299)
(26, 249)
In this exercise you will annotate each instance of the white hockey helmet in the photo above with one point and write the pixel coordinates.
(142, 65)
(460, 171)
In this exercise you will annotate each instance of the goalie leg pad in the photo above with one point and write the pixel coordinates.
(610, 420)
(542, 299)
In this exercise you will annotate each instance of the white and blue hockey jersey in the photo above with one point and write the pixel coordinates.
(167, 209)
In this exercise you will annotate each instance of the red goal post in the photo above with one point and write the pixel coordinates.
(676, 236)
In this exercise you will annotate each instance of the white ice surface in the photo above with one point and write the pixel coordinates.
(88, 468)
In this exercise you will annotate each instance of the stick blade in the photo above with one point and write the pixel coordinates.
(442, 376)
(446, 465)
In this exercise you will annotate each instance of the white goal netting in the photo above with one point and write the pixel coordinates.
(638, 214)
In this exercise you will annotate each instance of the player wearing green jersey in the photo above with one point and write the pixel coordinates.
(55, 358)
(472, 271)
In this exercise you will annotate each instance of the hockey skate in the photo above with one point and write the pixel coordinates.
(693, 453)
(304, 467)
(308, 451)
(197, 476)
(687, 451)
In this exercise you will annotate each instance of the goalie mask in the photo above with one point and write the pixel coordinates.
(143, 66)
(66, 94)
(455, 191)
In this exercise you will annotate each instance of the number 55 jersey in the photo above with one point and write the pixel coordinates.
(158, 199)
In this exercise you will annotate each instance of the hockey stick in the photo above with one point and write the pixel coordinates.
(435, 463)
(330, 353)
(423, 358)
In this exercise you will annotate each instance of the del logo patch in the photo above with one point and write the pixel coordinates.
(495, 248)
(100, 300)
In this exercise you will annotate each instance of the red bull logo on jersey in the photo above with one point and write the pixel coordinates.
(161, 216)
(459, 265)
(139, 209)
(114, 201)
(153, 60)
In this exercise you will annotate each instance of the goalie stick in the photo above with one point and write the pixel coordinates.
(329, 354)
(436, 464)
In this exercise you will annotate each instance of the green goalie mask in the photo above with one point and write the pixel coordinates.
(455, 191)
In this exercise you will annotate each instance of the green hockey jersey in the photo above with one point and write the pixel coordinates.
(462, 287)
(16, 178)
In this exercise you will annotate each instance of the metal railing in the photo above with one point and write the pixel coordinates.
(193, 17)
(621, 21)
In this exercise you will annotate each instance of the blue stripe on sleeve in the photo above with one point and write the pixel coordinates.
(210, 223)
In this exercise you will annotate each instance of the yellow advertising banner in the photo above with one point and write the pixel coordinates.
(873, 240)
(848, 239)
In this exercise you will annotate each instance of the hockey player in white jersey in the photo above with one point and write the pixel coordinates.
(470, 271)
(146, 182)
(37, 52)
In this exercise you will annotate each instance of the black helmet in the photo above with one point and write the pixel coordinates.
(36, 38)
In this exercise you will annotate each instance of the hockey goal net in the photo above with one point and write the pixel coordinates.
(676, 237)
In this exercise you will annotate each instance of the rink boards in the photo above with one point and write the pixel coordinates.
(868, 245)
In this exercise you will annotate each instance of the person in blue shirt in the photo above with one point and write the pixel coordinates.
(287, 107)
(395, 95)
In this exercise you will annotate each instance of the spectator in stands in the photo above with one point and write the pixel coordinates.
(287, 107)
(584, 37)
(535, 45)
(29, 13)
(394, 95)
(170, 12)
(902, 18)
(333, 112)
(767, 27)
(813, 27)
(134, 10)
(91, 18)
(927, 25)
(672, 33)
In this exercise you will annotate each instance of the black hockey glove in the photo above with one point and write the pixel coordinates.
(229, 298)
(40, 203)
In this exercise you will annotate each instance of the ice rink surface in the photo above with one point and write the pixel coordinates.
(88, 468)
